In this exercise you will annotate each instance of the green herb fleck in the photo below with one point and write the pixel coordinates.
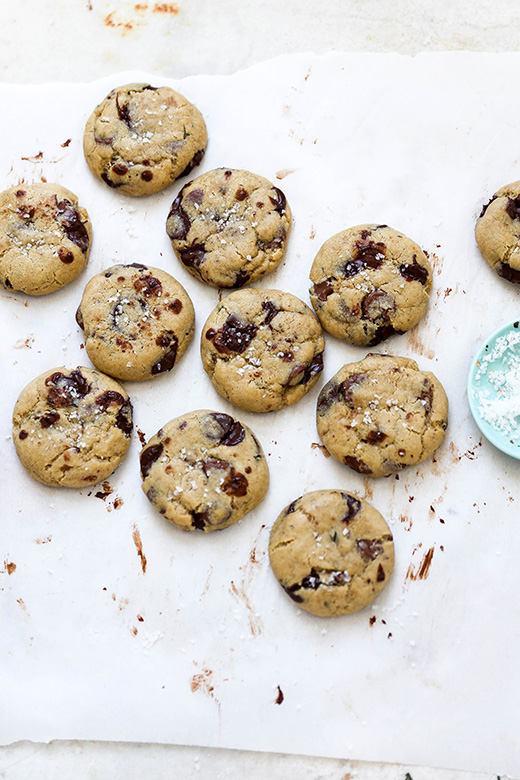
(408, 776)
(334, 536)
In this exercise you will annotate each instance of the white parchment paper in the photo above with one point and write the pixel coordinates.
(114, 625)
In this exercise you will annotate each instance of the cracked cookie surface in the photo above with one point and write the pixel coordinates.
(331, 552)
(370, 282)
(263, 349)
(72, 427)
(229, 227)
(382, 414)
(137, 321)
(140, 138)
(204, 470)
(497, 232)
(45, 238)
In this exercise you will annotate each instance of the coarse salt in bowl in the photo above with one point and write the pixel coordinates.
(494, 388)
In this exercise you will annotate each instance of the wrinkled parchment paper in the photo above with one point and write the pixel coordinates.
(117, 626)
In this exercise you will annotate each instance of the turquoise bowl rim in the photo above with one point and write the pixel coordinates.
(497, 439)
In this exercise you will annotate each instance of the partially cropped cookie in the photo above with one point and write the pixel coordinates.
(137, 320)
(140, 139)
(497, 232)
(204, 470)
(262, 349)
(331, 552)
(72, 427)
(44, 238)
(370, 282)
(229, 227)
(382, 414)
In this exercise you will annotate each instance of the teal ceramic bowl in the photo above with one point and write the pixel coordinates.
(494, 389)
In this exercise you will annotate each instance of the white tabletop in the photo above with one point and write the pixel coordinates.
(60, 40)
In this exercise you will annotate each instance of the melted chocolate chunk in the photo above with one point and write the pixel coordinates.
(426, 397)
(369, 549)
(149, 286)
(292, 506)
(66, 390)
(322, 290)
(328, 396)
(119, 169)
(241, 194)
(73, 226)
(215, 463)
(123, 112)
(111, 183)
(49, 419)
(167, 362)
(79, 318)
(109, 397)
(200, 519)
(23, 435)
(513, 208)
(353, 507)
(277, 241)
(414, 272)
(178, 223)
(279, 201)
(7, 283)
(175, 306)
(124, 418)
(311, 581)
(511, 274)
(235, 484)
(346, 387)
(195, 160)
(382, 333)
(291, 592)
(148, 457)
(378, 305)
(195, 196)
(315, 367)
(241, 278)
(193, 256)
(229, 431)
(374, 437)
(271, 311)
(357, 465)
(486, 205)
(233, 336)
(380, 574)
(65, 255)
(147, 176)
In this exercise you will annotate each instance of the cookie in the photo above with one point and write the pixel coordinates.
(331, 552)
(204, 470)
(262, 349)
(382, 414)
(370, 282)
(72, 427)
(229, 227)
(497, 232)
(140, 139)
(45, 238)
(137, 320)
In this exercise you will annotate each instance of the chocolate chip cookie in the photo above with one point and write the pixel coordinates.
(331, 552)
(263, 349)
(72, 427)
(138, 321)
(229, 227)
(204, 470)
(497, 232)
(382, 414)
(370, 282)
(141, 138)
(44, 238)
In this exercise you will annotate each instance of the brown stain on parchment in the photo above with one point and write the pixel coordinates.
(126, 22)
(240, 590)
(203, 683)
(283, 173)
(316, 446)
(418, 347)
(422, 571)
(136, 536)
(10, 567)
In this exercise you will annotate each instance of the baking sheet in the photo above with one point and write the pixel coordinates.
(117, 626)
